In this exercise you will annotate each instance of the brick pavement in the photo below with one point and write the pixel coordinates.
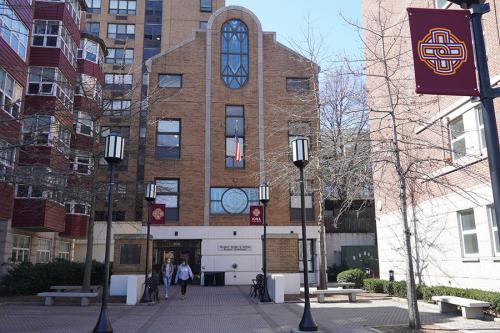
(225, 309)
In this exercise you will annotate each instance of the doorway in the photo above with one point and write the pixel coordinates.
(176, 250)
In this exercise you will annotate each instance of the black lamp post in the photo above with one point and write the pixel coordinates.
(113, 154)
(150, 196)
(300, 157)
(264, 199)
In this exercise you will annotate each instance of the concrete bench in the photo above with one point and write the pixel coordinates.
(93, 289)
(50, 296)
(471, 308)
(341, 284)
(351, 293)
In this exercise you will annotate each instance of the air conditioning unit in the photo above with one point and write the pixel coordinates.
(121, 17)
(120, 42)
(89, 16)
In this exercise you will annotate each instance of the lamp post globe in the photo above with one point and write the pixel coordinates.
(300, 157)
(264, 199)
(150, 196)
(113, 154)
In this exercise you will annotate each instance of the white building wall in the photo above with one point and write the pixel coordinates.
(335, 241)
(442, 261)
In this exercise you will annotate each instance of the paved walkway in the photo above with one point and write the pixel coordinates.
(224, 309)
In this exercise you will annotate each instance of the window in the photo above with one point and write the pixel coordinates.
(442, 3)
(74, 8)
(40, 182)
(121, 31)
(7, 156)
(88, 50)
(50, 81)
(37, 130)
(168, 138)
(206, 6)
(203, 25)
(298, 84)
(295, 201)
(480, 127)
(494, 229)
(77, 208)
(124, 131)
(10, 94)
(117, 107)
(81, 163)
(120, 56)
(457, 135)
(64, 250)
(124, 7)
(84, 124)
(43, 250)
(119, 191)
(118, 216)
(468, 232)
(152, 34)
(235, 136)
(54, 34)
(94, 6)
(310, 255)
(234, 54)
(12, 30)
(93, 28)
(118, 81)
(20, 248)
(170, 81)
(167, 193)
(89, 87)
(233, 201)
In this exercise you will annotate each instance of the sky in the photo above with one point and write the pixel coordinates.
(288, 19)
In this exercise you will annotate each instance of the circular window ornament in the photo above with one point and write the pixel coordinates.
(234, 201)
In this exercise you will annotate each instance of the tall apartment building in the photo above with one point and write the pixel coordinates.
(452, 226)
(45, 60)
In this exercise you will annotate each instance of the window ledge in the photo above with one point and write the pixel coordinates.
(460, 164)
(496, 259)
(471, 260)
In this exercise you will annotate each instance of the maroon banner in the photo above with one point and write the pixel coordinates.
(158, 214)
(443, 55)
(256, 216)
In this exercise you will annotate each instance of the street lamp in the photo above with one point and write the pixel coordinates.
(113, 154)
(150, 196)
(300, 157)
(264, 199)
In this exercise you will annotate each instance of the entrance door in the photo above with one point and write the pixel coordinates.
(189, 250)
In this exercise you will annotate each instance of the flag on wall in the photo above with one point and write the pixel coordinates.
(237, 149)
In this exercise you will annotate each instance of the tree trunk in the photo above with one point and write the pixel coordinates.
(323, 278)
(87, 272)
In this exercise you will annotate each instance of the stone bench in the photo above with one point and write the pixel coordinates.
(93, 289)
(351, 293)
(50, 296)
(471, 308)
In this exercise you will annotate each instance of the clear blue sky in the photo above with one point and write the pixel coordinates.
(288, 19)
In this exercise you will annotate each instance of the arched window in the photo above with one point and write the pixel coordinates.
(234, 53)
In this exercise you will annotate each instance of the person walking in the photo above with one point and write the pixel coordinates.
(167, 269)
(184, 273)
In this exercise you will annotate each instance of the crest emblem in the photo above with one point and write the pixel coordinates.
(158, 214)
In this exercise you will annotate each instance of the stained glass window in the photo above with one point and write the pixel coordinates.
(234, 53)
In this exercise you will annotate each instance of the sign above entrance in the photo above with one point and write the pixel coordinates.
(158, 214)
(443, 54)
(256, 215)
(234, 248)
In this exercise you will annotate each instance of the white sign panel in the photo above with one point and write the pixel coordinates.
(234, 248)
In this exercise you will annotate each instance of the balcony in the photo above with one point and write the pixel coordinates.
(40, 215)
(76, 226)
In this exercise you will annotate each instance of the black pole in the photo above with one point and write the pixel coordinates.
(487, 95)
(264, 297)
(307, 323)
(103, 323)
(146, 296)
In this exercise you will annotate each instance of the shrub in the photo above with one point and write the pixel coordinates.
(27, 278)
(334, 270)
(374, 285)
(354, 275)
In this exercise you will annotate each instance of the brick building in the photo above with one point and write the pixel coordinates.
(455, 238)
(45, 59)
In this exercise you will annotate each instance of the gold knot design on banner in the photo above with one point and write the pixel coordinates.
(442, 51)
(158, 214)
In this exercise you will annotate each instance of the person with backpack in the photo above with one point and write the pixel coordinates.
(184, 273)
(167, 269)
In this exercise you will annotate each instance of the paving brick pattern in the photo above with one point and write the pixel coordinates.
(225, 309)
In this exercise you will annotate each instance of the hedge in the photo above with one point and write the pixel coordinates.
(398, 289)
(354, 275)
(28, 279)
